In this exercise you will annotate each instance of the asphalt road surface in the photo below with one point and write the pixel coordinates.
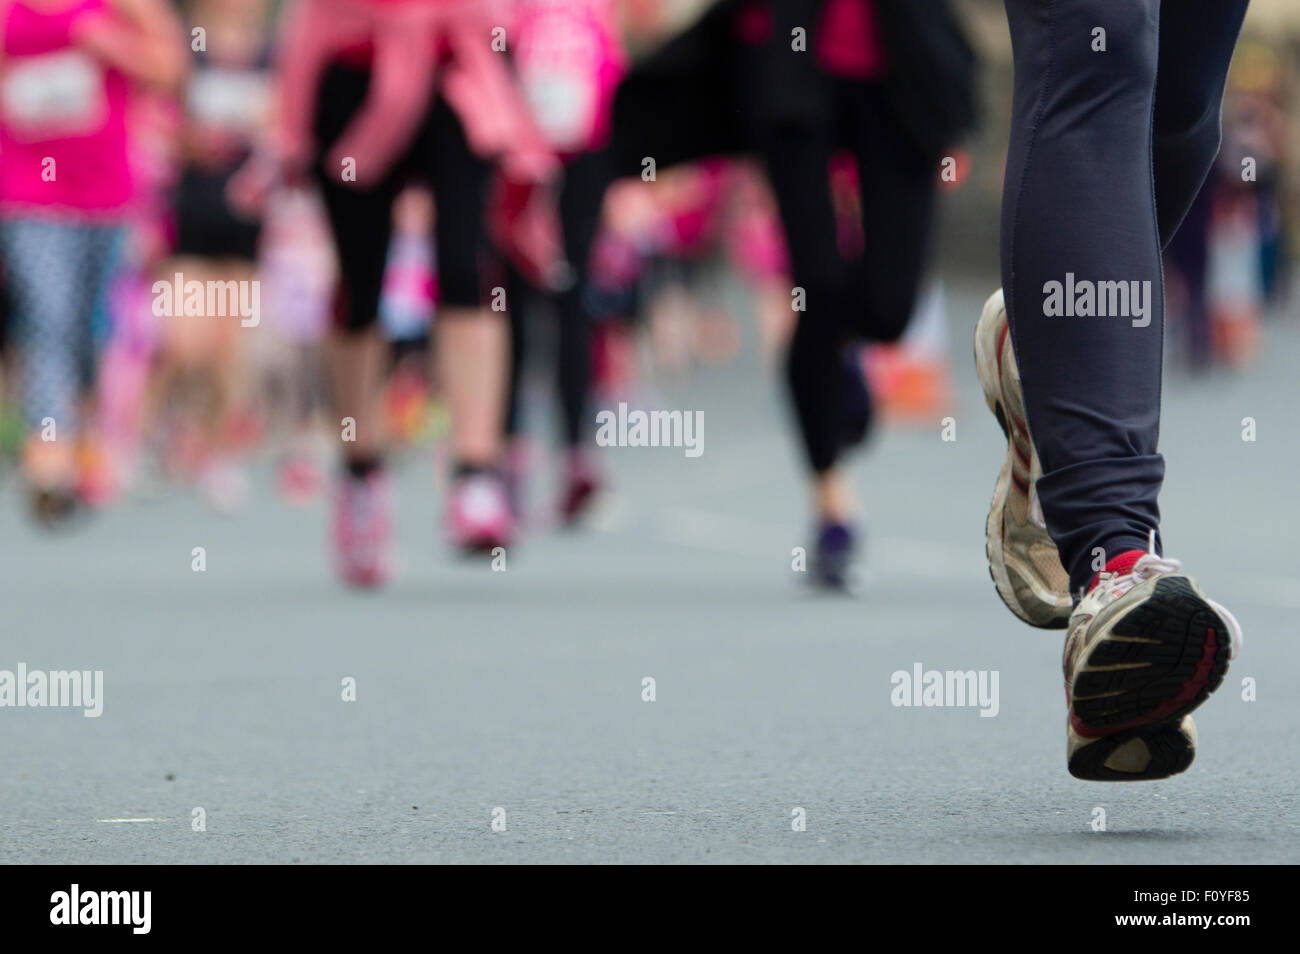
(516, 696)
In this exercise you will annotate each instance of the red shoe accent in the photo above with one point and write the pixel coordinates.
(1119, 566)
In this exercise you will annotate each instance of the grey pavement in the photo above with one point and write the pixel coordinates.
(522, 690)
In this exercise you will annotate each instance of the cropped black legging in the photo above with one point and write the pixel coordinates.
(361, 219)
(586, 178)
(1115, 124)
(871, 298)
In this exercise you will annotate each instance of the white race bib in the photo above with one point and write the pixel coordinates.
(229, 99)
(52, 95)
(563, 104)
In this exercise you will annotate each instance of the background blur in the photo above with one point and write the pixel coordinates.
(523, 689)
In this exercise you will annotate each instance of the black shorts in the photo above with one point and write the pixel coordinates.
(206, 225)
(361, 218)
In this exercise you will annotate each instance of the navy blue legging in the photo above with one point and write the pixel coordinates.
(1108, 150)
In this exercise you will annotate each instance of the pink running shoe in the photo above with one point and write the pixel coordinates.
(478, 513)
(363, 529)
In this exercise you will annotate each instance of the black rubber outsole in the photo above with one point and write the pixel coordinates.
(1175, 626)
(1171, 753)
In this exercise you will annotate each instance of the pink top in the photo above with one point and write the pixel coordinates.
(848, 44)
(570, 60)
(398, 38)
(63, 139)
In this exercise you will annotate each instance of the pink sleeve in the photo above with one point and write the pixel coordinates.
(397, 99)
(302, 50)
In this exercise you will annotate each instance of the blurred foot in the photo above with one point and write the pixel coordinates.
(833, 556)
(50, 471)
(52, 507)
(362, 528)
(581, 484)
(478, 512)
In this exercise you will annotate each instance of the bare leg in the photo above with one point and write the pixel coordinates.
(355, 362)
(472, 355)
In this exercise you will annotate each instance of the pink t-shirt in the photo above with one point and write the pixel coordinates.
(63, 139)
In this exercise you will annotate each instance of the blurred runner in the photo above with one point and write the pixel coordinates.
(298, 276)
(1100, 174)
(888, 81)
(204, 363)
(570, 60)
(68, 70)
(376, 92)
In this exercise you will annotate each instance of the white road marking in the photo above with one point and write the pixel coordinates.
(117, 821)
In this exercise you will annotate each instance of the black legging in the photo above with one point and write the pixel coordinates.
(581, 198)
(871, 298)
(1108, 150)
(361, 219)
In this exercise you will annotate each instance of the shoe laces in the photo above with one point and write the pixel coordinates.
(1151, 565)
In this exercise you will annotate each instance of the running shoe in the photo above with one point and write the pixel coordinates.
(50, 472)
(832, 561)
(478, 513)
(581, 484)
(54, 507)
(363, 529)
(1023, 560)
(1145, 648)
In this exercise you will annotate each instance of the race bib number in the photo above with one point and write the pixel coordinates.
(54, 95)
